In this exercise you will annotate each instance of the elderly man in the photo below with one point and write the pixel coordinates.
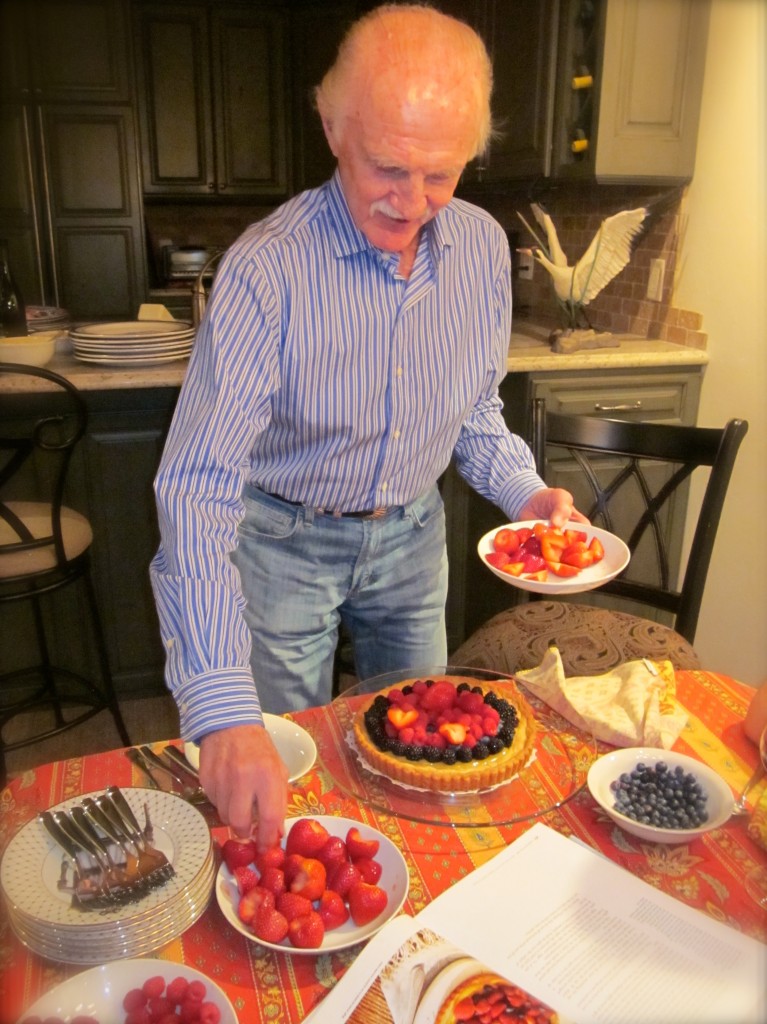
(353, 344)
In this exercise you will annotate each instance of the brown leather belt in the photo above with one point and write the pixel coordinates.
(368, 513)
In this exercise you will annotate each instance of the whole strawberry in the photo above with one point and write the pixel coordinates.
(307, 932)
(252, 901)
(332, 910)
(306, 837)
(359, 847)
(270, 925)
(366, 902)
(238, 853)
(342, 877)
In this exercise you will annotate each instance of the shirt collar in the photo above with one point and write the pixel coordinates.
(349, 239)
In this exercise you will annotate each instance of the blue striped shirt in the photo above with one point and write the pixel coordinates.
(320, 374)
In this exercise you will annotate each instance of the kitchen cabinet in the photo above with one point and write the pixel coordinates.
(69, 193)
(110, 482)
(213, 99)
(605, 90)
(650, 393)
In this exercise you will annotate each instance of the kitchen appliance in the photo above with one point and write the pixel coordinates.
(185, 262)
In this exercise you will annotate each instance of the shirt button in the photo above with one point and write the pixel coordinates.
(399, 371)
(396, 434)
(384, 487)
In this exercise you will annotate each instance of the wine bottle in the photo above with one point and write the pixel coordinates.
(13, 314)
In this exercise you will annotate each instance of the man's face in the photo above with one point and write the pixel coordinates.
(399, 165)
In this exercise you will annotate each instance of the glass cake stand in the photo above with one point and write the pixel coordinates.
(555, 772)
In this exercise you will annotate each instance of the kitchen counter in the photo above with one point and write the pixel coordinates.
(529, 351)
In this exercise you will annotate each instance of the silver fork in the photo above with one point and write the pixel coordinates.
(740, 806)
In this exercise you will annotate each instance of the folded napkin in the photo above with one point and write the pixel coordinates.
(629, 706)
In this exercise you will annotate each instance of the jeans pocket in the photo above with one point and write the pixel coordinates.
(266, 517)
(424, 509)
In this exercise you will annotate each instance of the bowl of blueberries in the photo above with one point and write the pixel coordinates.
(660, 795)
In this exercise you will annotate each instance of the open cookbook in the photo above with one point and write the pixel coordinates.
(552, 933)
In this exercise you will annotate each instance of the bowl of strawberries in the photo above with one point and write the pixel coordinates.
(332, 882)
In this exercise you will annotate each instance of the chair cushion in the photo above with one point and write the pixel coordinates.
(590, 640)
(76, 531)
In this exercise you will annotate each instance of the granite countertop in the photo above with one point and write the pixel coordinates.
(529, 350)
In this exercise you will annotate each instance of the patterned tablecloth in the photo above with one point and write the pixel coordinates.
(267, 987)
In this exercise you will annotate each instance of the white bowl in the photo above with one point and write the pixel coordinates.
(99, 992)
(34, 350)
(615, 560)
(394, 881)
(294, 745)
(606, 769)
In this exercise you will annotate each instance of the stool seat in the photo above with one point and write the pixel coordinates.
(590, 640)
(76, 533)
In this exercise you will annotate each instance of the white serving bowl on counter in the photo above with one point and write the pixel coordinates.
(33, 350)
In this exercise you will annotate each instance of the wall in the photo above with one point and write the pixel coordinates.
(722, 272)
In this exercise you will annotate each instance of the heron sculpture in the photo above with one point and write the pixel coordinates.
(610, 251)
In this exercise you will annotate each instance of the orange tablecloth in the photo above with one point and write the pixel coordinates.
(266, 987)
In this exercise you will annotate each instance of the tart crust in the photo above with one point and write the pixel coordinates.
(460, 777)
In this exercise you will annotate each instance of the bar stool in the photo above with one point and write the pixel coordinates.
(44, 547)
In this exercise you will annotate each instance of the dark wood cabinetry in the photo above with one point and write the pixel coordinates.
(213, 99)
(70, 202)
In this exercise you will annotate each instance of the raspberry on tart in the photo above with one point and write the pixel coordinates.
(446, 734)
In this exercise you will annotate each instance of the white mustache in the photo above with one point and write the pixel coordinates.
(381, 206)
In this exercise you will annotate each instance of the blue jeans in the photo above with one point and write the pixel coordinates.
(302, 574)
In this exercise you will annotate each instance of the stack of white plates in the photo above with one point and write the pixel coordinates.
(41, 913)
(133, 341)
(47, 318)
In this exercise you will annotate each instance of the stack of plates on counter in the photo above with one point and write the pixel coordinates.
(47, 318)
(133, 341)
(40, 910)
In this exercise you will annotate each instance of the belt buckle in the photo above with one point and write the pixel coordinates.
(377, 513)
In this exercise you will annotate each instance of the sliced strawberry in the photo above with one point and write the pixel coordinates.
(273, 879)
(252, 901)
(307, 932)
(578, 554)
(292, 904)
(366, 902)
(539, 576)
(306, 837)
(270, 925)
(454, 732)
(400, 716)
(369, 869)
(514, 568)
(310, 879)
(506, 540)
(342, 877)
(498, 558)
(596, 549)
(238, 852)
(359, 847)
(246, 879)
(562, 569)
(332, 910)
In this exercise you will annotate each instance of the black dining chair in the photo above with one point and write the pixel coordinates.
(626, 477)
(44, 547)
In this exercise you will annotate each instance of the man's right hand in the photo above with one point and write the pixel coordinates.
(245, 778)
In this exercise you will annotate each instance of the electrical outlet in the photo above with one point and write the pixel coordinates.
(655, 280)
(525, 264)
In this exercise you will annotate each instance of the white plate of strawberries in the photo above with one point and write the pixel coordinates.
(331, 883)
